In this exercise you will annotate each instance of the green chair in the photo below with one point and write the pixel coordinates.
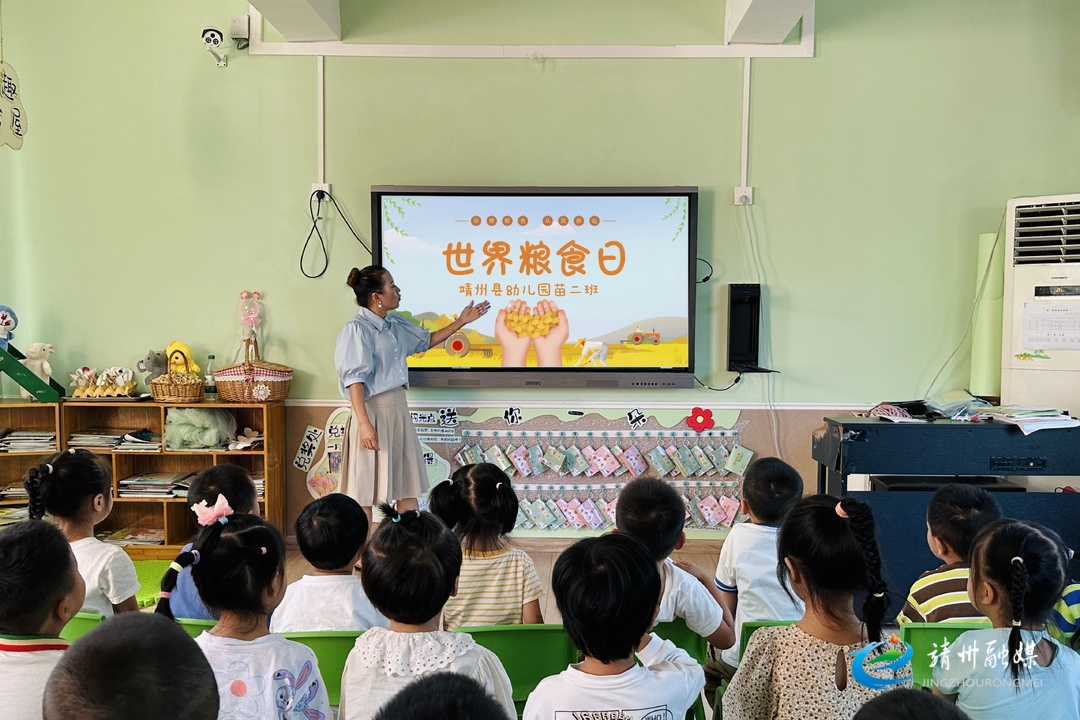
(195, 627)
(748, 629)
(331, 648)
(529, 653)
(82, 623)
(923, 637)
(695, 646)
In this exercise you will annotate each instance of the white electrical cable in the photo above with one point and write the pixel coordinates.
(745, 122)
(774, 419)
(974, 307)
(320, 105)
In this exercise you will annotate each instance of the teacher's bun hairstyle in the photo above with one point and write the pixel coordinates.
(366, 282)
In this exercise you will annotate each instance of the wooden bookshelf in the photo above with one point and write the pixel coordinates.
(174, 514)
(18, 414)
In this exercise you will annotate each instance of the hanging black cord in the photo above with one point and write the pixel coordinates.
(710, 273)
(709, 387)
(349, 224)
(315, 214)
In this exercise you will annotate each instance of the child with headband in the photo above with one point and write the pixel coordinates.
(827, 551)
(238, 565)
(498, 584)
(75, 488)
(411, 567)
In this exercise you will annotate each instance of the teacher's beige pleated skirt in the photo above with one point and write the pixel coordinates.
(397, 469)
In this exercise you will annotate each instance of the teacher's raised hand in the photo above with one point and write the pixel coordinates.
(473, 312)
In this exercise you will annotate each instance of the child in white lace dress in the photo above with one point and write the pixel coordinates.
(410, 567)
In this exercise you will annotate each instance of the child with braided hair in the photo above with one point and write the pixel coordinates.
(238, 565)
(498, 584)
(411, 565)
(827, 551)
(1015, 669)
(75, 488)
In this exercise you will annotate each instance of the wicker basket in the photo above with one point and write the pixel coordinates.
(178, 387)
(254, 379)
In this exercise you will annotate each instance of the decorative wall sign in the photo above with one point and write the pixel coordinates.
(12, 113)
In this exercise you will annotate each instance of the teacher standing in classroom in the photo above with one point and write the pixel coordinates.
(383, 458)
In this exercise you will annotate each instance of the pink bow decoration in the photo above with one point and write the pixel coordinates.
(207, 515)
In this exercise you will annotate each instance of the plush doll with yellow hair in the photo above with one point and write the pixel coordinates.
(177, 352)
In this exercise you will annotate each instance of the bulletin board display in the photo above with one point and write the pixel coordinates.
(567, 466)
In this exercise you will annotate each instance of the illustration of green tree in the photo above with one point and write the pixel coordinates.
(396, 204)
(680, 211)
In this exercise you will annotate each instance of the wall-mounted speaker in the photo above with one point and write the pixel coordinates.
(744, 321)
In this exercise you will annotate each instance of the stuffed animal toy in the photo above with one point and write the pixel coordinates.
(37, 362)
(177, 352)
(156, 363)
(250, 310)
(8, 323)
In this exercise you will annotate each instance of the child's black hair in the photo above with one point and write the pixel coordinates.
(1028, 563)
(957, 512)
(909, 704)
(478, 503)
(37, 569)
(652, 512)
(232, 565)
(410, 565)
(607, 589)
(770, 487)
(134, 665)
(836, 554)
(331, 531)
(62, 485)
(442, 696)
(229, 480)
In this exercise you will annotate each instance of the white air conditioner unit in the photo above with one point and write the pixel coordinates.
(1040, 343)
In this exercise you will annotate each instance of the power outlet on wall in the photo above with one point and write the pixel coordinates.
(323, 187)
(744, 196)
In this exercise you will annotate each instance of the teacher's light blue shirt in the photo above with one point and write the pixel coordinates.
(372, 350)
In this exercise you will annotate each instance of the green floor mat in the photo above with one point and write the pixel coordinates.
(149, 573)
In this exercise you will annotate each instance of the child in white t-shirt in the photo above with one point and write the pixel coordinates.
(498, 584)
(40, 590)
(331, 533)
(650, 511)
(135, 665)
(75, 488)
(1014, 669)
(411, 566)
(238, 565)
(608, 591)
(746, 573)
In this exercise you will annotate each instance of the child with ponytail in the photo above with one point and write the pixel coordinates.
(827, 551)
(75, 488)
(498, 584)
(1015, 669)
(238, 565)
(411, 567)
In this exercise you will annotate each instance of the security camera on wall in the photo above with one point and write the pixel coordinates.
(212, 39)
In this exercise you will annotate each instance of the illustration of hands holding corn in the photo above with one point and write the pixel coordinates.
(545, 327)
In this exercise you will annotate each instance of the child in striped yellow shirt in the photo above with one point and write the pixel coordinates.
(498, 584)
(955, 515)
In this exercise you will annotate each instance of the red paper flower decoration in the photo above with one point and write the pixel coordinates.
(700, 420)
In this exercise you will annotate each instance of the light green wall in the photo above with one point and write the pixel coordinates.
(153, 186)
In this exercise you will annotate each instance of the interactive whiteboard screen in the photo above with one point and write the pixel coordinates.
(582, 282)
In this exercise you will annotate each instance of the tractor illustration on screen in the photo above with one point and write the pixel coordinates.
(638, 336)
